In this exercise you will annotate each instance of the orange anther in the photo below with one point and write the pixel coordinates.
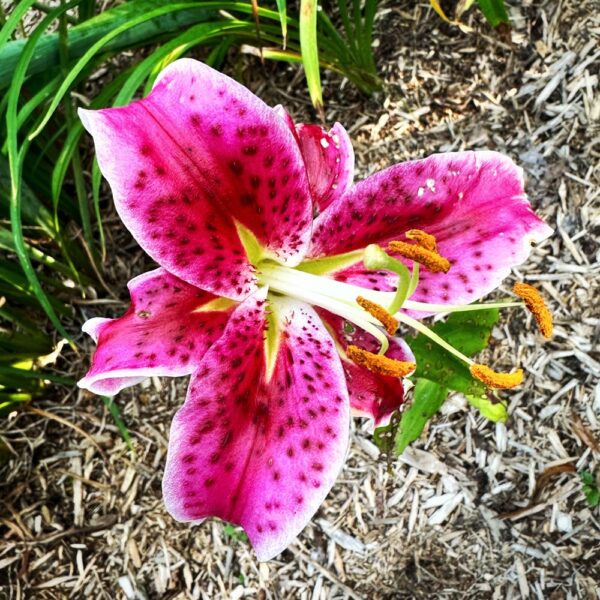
(382, 315)
(432, 261)
(382, 365)
(535, 303)
(425, 240)
(497, 380)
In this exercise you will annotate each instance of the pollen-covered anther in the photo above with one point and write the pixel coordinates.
(423, 239)
(535, 303)
(379, 364)
(382, 315)
(432, 261)
(496, 380)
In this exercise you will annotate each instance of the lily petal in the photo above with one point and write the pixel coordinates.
(371, 395)
(198, 155)
(328, 157)
(261, 445)
(166, 331)
(472, 202)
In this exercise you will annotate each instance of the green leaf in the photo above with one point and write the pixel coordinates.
(310, 51)
(468, 332)
(494, 11)
(587, 478)
(85, 35)
(590, 488)
(11, 401)
(490, 407)
(428, 397)
(235, 533)
(15, 18)
(282, 9)
(31, 374)
(113, 408)
(32, 209)
(385, 437)
(15, 160)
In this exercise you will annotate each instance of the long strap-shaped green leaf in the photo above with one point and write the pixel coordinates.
(15, 159)
(310, 51)
(14, 19)
(102, 42)
(82, 36)
(7, 243)
(282, 9)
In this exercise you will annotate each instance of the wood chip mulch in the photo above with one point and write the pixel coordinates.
(473, 509)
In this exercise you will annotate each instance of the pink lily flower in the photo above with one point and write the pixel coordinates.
(277, 289)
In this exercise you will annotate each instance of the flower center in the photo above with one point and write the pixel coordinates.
(318, 290)
(379, 313)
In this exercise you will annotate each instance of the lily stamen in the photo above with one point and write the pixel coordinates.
(379, 364)
(423, 239)
(481, 372)
(380, 313)
(432, 261)
(536, 305)
(496, 380)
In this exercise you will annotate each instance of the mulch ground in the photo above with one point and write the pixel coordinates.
(473, 509)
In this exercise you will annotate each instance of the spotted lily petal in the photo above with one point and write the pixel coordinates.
(328, 158)
(263, 432)
(166, 331)
(329, 161)
(371, 395)
(189, 162)
(472, 202)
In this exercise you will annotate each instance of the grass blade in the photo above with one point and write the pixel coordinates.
(282, 10)
(14, 19)
(112, 407)
(15, 159)
(310, 52)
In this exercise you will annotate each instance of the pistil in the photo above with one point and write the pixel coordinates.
(368, 310)
(305, 287)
